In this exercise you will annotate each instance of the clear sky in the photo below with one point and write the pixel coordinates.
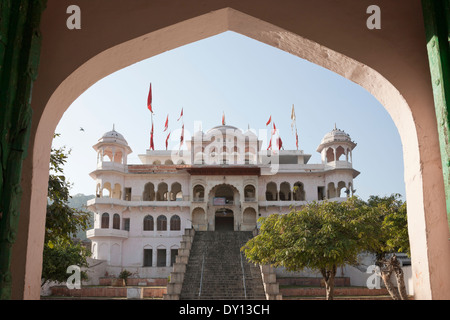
(248, 81)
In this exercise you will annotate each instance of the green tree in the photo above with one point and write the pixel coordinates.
(62, 222)
(390, 236)
(321, 236)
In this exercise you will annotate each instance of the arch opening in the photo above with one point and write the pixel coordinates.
(224, 220)
(357, 72)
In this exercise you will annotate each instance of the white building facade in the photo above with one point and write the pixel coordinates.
(224, 180)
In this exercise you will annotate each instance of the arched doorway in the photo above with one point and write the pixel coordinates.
(224, 220)
(401, 87)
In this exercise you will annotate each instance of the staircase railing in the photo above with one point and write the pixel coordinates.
(201, 273)
(243, 276)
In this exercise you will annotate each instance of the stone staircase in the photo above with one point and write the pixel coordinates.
(218, 270)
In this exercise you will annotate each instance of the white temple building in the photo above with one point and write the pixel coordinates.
(225, 179)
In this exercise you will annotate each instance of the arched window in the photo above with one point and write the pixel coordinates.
(148, 223)
(330, 154)
(199, 193)
(175, 192)
(341, 187)
(339, 152)
(163, 192)
(249, 193)
(299, 191)
(116, 221)
(106, 191)
(271, 191)
(105, 220)
(161, 223)
(175, 223)
(285, 191)
(331, 190)
(149, 192)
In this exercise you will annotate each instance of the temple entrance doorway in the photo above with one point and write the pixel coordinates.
(224, 220)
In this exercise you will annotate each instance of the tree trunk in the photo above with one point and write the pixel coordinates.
(387, 267)
(400, 278)
(328, 276)
(386, 276)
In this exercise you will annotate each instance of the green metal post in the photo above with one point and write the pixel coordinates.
(20, 43)
(437, 27)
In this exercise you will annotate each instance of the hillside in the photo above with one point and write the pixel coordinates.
(79, 201)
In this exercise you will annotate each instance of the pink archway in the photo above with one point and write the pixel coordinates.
(414, 119)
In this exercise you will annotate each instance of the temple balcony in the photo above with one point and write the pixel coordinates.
(338, 165)
(108, 165)
(136, 203)
(114, 233)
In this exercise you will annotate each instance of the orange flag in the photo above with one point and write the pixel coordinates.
(166, 125)
(167, 140)
(279, 143)
(270, 143)
(149, 99)
(182, 135)
(152, 146)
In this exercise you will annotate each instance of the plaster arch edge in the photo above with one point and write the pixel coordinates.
(210, 24)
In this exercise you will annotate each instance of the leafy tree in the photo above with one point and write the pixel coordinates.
(321, 236)
(390, 237)
(62, 222)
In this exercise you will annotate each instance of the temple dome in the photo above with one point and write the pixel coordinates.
(336, 135)
(113, 137)
(223, 128)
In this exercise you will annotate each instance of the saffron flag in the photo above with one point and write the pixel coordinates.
(279, 143)
(149, 99)
(181, 115)
(152, 146)
(167, 140)
(182, 135)
(268, 122)
(293, 118)
(223, 119)
(296, 138)
(166, 125)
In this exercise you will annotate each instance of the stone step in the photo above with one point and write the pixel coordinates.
(312, 281)
(106, 292)
(218, 256)
(291, 292)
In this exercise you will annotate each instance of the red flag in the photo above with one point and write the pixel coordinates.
(268, 122)
(279, 143)
(182, 135)
(270, 143)
(166, 125)
(152, 146)
(149, 99)
(180, 114)
(223, 119)
(167, 140)
(274, 128)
